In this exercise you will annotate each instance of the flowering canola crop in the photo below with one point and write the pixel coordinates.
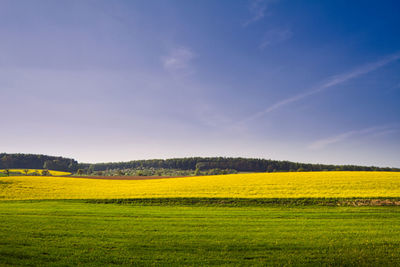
(255, 185)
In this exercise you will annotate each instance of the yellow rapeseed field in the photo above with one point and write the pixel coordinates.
(257, 185)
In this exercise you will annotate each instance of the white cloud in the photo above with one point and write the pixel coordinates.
(333, 81)
(319, 144)
(257, 10)
(211, 116)
(372, 131)
(275, 36)
(178, 60)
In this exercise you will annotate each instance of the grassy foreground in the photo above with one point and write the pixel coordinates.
(66, 233)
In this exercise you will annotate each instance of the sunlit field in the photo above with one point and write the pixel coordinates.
(204, 220)
(257, 185)
(74, 233)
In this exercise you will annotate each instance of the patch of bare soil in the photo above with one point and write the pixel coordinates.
(372, 202)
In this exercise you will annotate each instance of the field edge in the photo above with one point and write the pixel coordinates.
(232, 202)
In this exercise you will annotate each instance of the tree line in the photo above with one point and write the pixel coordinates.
(202, 164)
(34, 161)
(238, 164)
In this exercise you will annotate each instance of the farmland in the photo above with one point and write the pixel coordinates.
(65, 233)
(256, 185)
(304, 218)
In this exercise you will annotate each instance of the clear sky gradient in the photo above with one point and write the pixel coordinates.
(306, 81)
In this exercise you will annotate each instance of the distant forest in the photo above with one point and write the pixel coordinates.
(33, 161)
(197, 165)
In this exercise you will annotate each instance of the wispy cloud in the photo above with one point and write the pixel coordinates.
(322, 143)
(371, 131)
(275, 36)
(257, 10)
(331, 82)
(178, 60)
(210, 116)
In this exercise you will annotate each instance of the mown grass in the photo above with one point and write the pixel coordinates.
(67, 233)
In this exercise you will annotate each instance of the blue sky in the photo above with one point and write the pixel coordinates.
(307, 81)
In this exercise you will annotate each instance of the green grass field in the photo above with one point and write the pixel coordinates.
(67, 233)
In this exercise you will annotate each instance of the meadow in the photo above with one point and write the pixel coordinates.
(274, 219)
(66, 233)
